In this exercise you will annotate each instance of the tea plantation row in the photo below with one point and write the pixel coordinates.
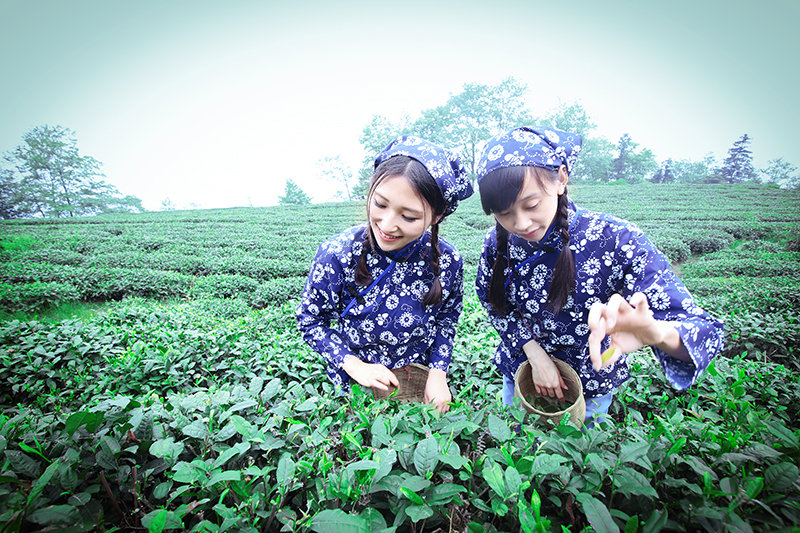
(189, 402)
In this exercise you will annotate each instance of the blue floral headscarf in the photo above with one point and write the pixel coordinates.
(443, 165)
(536, 147)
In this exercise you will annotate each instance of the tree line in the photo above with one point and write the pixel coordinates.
(46, 176)
(467, 119)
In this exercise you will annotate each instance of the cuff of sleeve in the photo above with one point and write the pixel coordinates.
(683, 374)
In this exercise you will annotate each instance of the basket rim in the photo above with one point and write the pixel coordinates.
(563, 367)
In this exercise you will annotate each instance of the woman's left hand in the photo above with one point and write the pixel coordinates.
(630, 324)
(437, 391)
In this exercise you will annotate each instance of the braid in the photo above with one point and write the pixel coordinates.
(434, 295)
(363, 275)
(497, 284)
(564, 273)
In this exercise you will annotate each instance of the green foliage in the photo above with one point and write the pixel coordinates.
(631, 165)
(463, 123)
(193, 404)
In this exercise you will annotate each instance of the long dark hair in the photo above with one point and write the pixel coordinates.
(424, 184)
(499, 189)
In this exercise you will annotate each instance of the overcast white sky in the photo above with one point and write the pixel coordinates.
(216, 104)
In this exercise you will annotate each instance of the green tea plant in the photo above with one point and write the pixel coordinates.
(188, 401)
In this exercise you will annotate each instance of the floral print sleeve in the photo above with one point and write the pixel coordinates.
(511, 326)
(320, 304)
(449, 312)
(648, 271)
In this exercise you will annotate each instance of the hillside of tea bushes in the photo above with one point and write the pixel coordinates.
(179, 396)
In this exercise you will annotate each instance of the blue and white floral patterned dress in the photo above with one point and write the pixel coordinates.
(386, 322)
(611, 256)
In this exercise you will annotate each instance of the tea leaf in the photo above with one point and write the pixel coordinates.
(597, 514)
(227, 475)
(286, 470)
(513, 481)
(608, 354)
(412, 496)
(499, 428)
(55, 515)
(426, 456)
(781, 476)
(493, 475)
(418, 512)
(337, 521)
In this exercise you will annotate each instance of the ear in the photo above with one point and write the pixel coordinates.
(563, 178)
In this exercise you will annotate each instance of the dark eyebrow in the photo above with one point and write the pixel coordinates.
(406, 209)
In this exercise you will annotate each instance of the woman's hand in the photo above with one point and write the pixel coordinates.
(436, 390)
(631, 325)
(546, 378)
(372, 375)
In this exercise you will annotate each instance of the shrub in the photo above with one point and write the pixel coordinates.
(33, 297)
(676, 250)
(277, 291)
(704, 241)
(224, 286)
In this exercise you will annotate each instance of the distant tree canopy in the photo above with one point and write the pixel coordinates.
(293, 195)
(46, 176)
(468, 119)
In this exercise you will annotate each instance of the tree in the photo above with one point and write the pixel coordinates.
(463, 123)
(334, 168)
(379, 132)
(629, 164)
(293, 195)
(468, 119)
(664, 174)
(52, 179)
(10, 197)
(738, 166)
(597, 153)
(688, 171)
(781, 173)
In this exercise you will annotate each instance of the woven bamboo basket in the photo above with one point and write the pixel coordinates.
(524, 389)
(412, 379)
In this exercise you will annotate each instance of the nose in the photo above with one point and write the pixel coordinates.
(521, 222)
(389, 222)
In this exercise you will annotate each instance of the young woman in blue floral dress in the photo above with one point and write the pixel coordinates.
(560, 281)
(388, 293)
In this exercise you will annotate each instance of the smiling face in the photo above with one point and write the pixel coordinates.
(534, 208)
(397, 214)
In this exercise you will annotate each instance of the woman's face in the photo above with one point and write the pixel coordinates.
(397, 214)
(535, 207)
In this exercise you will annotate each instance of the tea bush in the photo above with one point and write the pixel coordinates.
(192, 403)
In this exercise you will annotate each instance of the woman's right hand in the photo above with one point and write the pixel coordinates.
(372, 375)
(546, 378)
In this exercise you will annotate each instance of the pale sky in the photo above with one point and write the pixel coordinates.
(216, 104)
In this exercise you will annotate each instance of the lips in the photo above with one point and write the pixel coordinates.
(385, 237)
(530, 235)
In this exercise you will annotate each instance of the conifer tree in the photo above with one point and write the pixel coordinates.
(738, 166)
(293, 195)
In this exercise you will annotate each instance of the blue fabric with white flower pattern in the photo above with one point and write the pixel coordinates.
(443, 165)
(386, 322)
(540, 147)
(611, 256)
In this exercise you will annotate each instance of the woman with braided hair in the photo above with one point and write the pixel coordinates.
(560, 281)
(392, 286)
